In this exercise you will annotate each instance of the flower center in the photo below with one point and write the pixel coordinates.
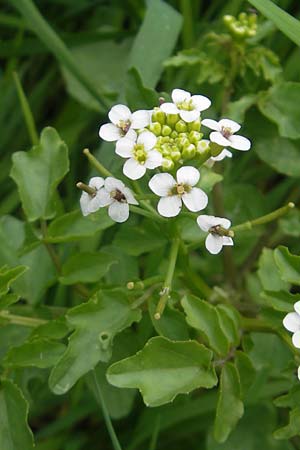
(226, 132)
(139, 153)
(180, 189)
(117, 195)
(220, 231)
(124, 126)
(186, 105)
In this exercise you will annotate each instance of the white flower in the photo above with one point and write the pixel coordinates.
(123, 123)
(141, 154)
(186, 105)
(90, 203)
(215, 239)
(224, 154)
(224, 134)
(174, 192)
(117, 197)
(203, 146)
(292, 323)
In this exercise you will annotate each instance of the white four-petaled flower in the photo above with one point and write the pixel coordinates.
(214, 225)
(223, 134)
(117, 197)
(123, 123)
(292, 323)
(90, 203)
(141, 154)
(174, 192)
(186, 105)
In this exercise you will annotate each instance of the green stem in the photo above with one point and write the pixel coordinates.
(165, 292)
(28, 116)
(106, 416)
(31, 322)
(139, 301)
(188, 25)
(153, 443)
(95, 163)
(143, 212)
(198, 283)
(142, 284)
(145, 204)
(264, 219)
(54, 43)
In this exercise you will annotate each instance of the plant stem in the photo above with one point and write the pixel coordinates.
(198, 283)
(106, 416)
(139, 301)
(165, 292)
(28, 116)
(31, 322)
(188, 25)
(142, 284)
(95, 163)
(143, 212)
(153, 442)
(264, 219)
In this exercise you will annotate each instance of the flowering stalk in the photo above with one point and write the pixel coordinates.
(165, 292)
(95, 163)
(15, 319)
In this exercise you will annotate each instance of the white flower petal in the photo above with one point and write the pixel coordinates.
(214, 243)
(84, 201)
(133, 169)
(111, 184)
(140, 119)
(297, 307)
(104, 197)
(124, 147)
(201, 102)
(224, 154)
(169, 108)
(225, 223)
(291, 322)
(131, 134)
(147, 139)
(205, 222)
(227, 123)
(129, 196)
(154, 159)
(118, 211)
(119, 112)
(239, 143)
(196, 200)
(189, 116)
(169, 206)
(161, 184)
(227, 240)
(110, 132)
(219, 139)
(212, 124)
(96, 182)
(296, 339)
(179, 95)
(188, 175)
(298, 373)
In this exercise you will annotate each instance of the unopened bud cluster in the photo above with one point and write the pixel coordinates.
(177, 140)
(242, 27)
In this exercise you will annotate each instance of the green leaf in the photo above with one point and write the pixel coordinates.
(155, 41)
(8, 276)
(290, 225)
(208, 179)
(38, 173)
(292, 428)
(147, 238)
(286, 23)
(280, 300)
(96, 323)
(230, 408)
(74, 226)
(268, 272)
(137, 95)
(246, 372)
(280, 105)
(237, 110)
(86, 267)
(288, 265)
(14, 431)
(8, 300)
(171, 325)
(205, 318)
(40, 353)
(163, 369)
(230, 323)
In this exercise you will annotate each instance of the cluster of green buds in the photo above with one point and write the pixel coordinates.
(178, 141)
(242, 27)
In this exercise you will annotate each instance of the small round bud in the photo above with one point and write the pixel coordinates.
(228, 19)
(130, 285)
(172, 119)
(155, 128)
(166, 130)
(194, 126)
(174, 134)
(158, 116)
(176, 155)
(189, 151)
(194, 137)
(181, 126)
(167, 164)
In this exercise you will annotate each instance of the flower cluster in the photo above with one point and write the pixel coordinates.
(291, 322)
(169, 140)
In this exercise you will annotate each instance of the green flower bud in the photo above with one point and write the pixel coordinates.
(165, 149)
(167, 164)
(172, 119)
(175, 154)
(181, 126)
(194, 137)
(194, 126)
(174, 134)
(189, 151)
(158, 116)
(215, 149)
(155, 128)
(228, 19)
(243, 17)
(166, 130)
(182, 141)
